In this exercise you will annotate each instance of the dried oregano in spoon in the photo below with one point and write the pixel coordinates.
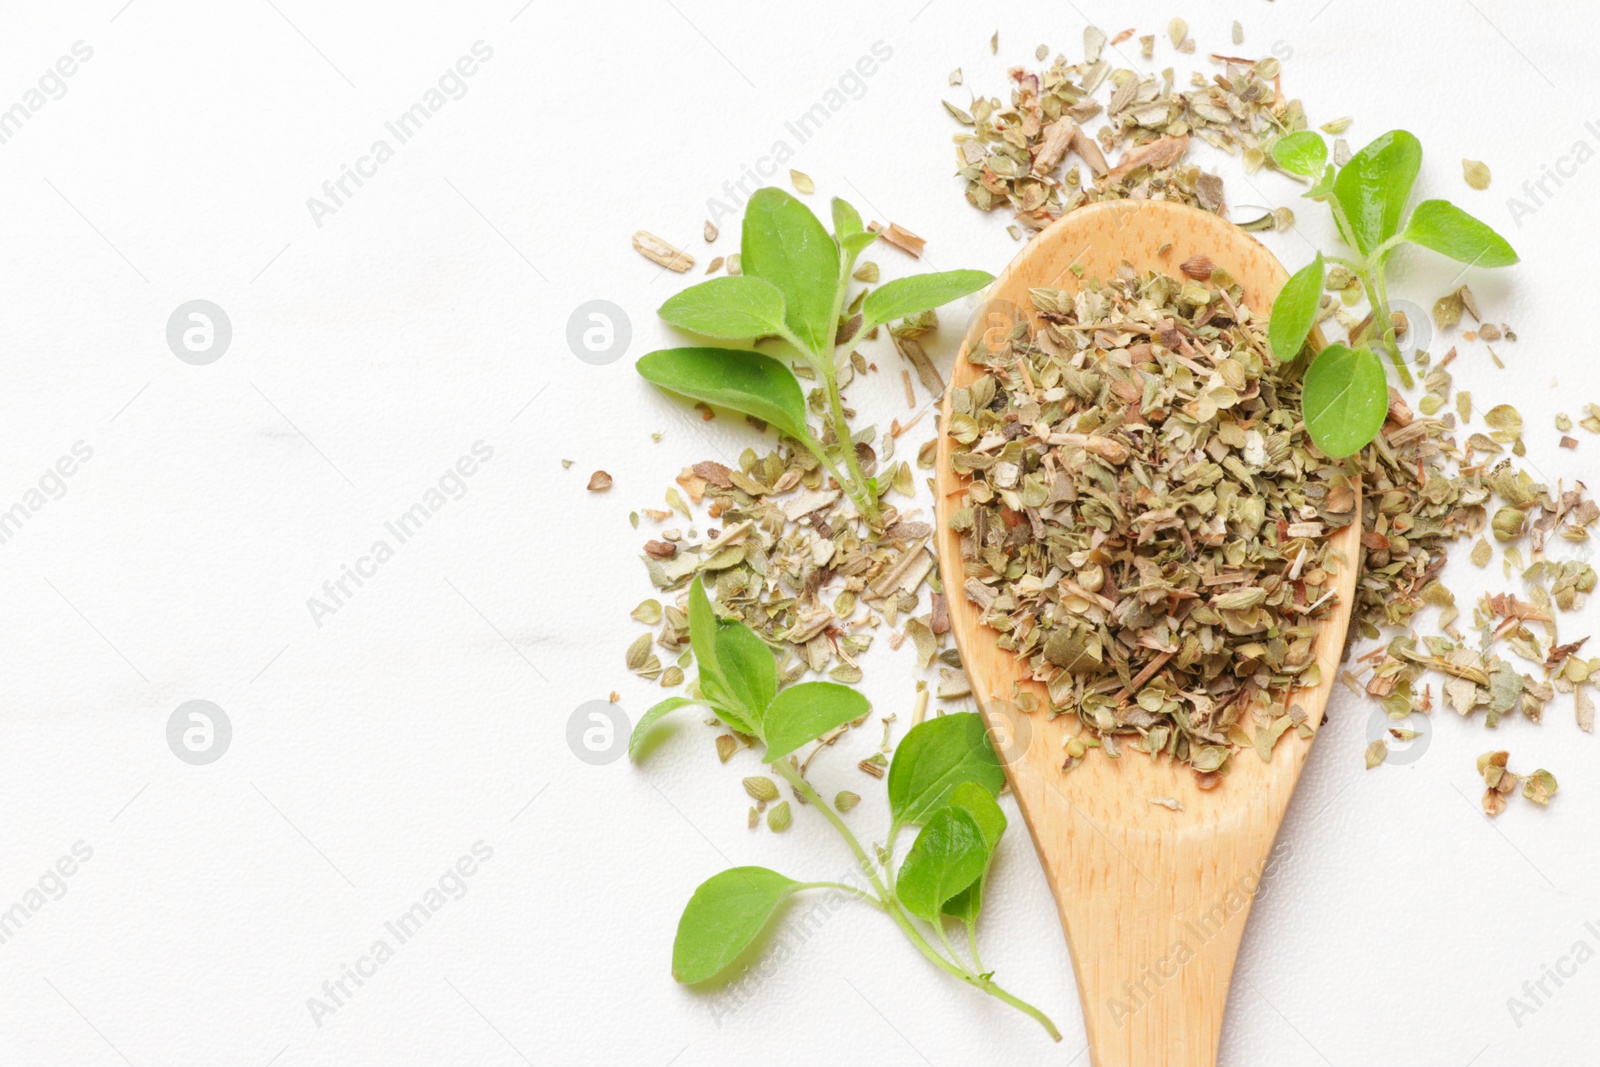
(1146, 522)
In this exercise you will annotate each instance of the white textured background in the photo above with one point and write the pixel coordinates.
(430, 712)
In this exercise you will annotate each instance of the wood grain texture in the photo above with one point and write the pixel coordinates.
(1153, 901)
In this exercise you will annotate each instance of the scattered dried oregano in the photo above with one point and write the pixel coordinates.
(1017, 154)
(1481, 553)
(794, 561)
(1498, 781)
(1448, 308)
(1146, 520)
(1430, 504)
(761, 788)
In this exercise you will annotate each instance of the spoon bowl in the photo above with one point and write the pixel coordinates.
(1153, 901)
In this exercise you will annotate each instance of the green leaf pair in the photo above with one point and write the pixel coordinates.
(738, 681)
(1372, 189)
(944, 871)
(945, 775)
(784, 244)
(794, 282)
(1345, 392)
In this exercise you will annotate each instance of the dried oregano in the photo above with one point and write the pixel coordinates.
(1018, 154)
(1146, 522)
(1498, 781)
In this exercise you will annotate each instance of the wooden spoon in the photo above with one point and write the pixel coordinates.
(1153, 901)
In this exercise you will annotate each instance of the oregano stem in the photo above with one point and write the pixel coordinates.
(866, 898)
(866, 500)
(850, 490)
(957, 969)
(972, 943)
(803, 787)
(988, 985)
(855, 486)
(1371, 275)
(1378, 297)
(841, 428)
(944, 939)
(1021, 1005)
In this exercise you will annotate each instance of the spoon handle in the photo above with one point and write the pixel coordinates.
(1153, 919)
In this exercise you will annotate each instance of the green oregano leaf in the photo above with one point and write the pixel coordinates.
(720, 696)
(1294, 312)
(949, 855)
(703, 632)
(920, 292)
(1374, 186)
(1345, 398)
(966, 904)
(981, 805)
(1303, 152)
(731, 309)
(747, 668)
(641, 729)
(1448, 230)
(805, 712)
(783, 243)
(743, 381)
(846, 219)
(724, 917)
(936, 756)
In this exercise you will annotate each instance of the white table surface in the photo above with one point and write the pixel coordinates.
(427, 715)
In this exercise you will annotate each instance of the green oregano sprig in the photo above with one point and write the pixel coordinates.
(1345, 393)
(795, 281)
(943, 778)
